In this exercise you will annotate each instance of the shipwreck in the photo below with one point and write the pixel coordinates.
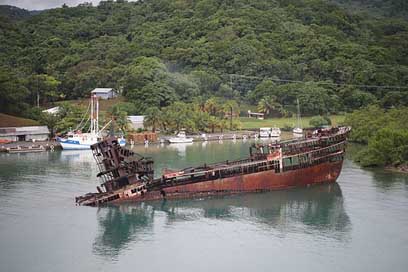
(128, 176)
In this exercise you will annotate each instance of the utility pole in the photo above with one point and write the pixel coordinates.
(38, 94)
(230, 117)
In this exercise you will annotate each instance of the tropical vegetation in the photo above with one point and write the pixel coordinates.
(331, 56)
(197, 64)
(385, 133)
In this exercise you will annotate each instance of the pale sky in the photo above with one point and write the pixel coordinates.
(45, 4)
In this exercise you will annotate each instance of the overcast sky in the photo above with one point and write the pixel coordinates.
(44, 4)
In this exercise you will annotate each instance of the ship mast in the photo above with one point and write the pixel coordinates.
(94, 114)
(298, 114)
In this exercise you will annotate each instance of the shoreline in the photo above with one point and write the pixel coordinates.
(403, 169)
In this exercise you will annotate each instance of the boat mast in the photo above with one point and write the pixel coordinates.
(298, 114)
(94, 114)
(97, 115)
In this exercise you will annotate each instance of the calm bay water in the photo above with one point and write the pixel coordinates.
(357, 224)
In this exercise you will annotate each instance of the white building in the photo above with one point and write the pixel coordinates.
(136, 121)
(29, 133)
(53, 110)
(104, 93)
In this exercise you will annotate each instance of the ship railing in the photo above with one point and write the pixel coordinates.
(331, 148)
(221, 172)
(294, 162)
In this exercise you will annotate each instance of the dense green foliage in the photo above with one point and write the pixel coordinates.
(387, 147)
(381, 7)
(385, 132)
(319, 121)
(157, 52)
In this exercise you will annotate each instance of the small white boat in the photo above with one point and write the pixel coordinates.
(298, 131)
(264, 132)
(180, 138)
(275, 132)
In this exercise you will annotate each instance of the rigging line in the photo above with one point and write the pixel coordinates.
(89, 117)
(83, 117)
(322, 82)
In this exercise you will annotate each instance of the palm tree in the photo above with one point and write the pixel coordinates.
(229, 108)
(213, 122)
(211, 106)
(152, 118)
(268, 104)
(119, 117)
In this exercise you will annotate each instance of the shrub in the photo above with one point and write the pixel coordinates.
(319, 121)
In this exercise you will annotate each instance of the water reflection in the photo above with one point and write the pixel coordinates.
(388, 179)
(317, 210)
(181, 148)
(121, 225)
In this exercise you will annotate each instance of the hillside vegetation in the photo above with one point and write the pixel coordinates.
(12, 121)
(157, 52)
(384, 132)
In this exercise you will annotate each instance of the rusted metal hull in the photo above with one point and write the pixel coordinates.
(255, 182)
(128, 176)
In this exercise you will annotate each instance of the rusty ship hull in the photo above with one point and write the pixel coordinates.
(255, 182)
(127, 176)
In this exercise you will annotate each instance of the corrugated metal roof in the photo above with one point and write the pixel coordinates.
(13, 131)
(102, 90)
(52, 110)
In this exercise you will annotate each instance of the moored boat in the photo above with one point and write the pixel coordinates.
(127, 176)
(264, 132)
(78, 140)
(275, 132)
(180, 138)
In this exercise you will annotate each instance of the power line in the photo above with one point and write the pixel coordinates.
(321, 82)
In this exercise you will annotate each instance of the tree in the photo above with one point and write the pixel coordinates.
(71, 117)
(231, 109)
(268, 104)
(119, 117)
(387, 147)
(212, 106)
(179, 116)
(43, 88)
(213, 123)
(152, 118)
(50, 120)
(265, 88)
(12, 92)
(319, 121)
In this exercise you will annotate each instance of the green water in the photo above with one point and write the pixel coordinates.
(357, 224)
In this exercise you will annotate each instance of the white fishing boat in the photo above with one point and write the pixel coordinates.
(264, 132)
(298, 131)
(78, 140)
(180, 138)
(275, 132)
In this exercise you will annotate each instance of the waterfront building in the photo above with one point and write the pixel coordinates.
(136, 121)
(25, 133)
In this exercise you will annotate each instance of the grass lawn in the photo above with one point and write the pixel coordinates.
(14, 121)
(104, 104)
(252, 123)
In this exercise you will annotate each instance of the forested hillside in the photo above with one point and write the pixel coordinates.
(161, 51)
(377, 7)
